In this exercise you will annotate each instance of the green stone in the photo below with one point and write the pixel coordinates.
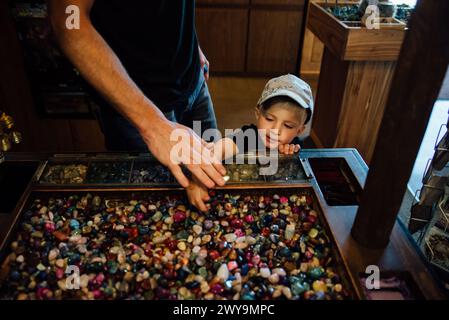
(298, 288)
(248, 296)
(203, 272)
(182, 235)
(316, 273)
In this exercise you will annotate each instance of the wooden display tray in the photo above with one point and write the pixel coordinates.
(351, 41)
(340, 264)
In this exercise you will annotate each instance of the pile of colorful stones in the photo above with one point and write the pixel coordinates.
(65, 174)
(156, 247)
(108, 172)
(149, 172)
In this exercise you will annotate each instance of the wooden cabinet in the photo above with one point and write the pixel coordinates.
(274, 40)
(257, 37)
(223, 36)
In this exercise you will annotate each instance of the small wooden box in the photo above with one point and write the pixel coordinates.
(350, 40)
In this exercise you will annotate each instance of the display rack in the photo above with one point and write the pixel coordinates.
(430, 213)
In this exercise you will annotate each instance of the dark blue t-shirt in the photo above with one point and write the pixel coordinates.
(156, 42)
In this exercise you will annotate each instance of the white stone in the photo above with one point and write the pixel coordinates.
(265, 272)
(197, 229)
(230, 237)
(223, 272)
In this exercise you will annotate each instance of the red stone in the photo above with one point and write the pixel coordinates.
(179, 216)
(311, 219)
(50, 227)
(60, 236)
(239, 233)
(237, 223)
(171, 244)
(309, 200)
(139, 217)
(249, 219)
(216, 289)
(266, 231)
(214, 254)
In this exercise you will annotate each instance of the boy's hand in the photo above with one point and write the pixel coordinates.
(197, 194)
(289, 148)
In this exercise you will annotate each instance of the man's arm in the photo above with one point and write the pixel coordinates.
(101, 67)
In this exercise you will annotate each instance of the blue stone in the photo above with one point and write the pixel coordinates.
(15, 275)
(144, 230)
(268, 219)
(245, 269)
(298, 288)
(249, 296)
(74, 224)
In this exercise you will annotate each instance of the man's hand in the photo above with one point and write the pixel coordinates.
(289, 148)
(205, 66)
(198, 158)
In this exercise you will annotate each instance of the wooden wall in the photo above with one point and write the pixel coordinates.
(251, 37)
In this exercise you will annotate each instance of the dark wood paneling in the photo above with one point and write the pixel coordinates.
(223, 35)
(274, 41)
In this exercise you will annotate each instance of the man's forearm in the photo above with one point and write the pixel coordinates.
(101, 67)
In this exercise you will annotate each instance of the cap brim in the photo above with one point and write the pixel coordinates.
(290, 94)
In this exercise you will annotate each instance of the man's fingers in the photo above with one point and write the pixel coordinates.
(198, 172)
(214, 174)
(220, 168)
(179, 175)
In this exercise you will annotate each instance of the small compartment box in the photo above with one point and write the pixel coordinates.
(336, 181)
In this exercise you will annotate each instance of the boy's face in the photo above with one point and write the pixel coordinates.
(282, 121)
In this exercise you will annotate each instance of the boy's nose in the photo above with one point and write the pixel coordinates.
(274, 130)
(277, 130)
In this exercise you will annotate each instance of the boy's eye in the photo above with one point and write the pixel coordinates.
(289, 127)
(268, 119)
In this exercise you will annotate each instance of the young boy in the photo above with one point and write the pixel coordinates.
(282, 113)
